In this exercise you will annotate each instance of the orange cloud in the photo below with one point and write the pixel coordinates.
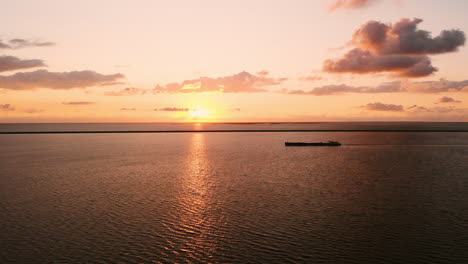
(34, 111)
(173, 109)
(311, 78)
(438, 109)
(446, 99)
(263, 73)
(78, 103)
(383, 107)
(349, 4)
(7, 107)
(243, 82)
(126, 92)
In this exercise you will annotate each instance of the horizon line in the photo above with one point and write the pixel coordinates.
(236, 131)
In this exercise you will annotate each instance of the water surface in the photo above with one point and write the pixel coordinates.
(234, 198)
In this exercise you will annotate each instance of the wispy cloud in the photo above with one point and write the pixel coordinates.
(34, 111)
(436, 86)
(401, 49)
(127, 92)
(418, 108)
(127, 109)
(7, 107)
(389, 87)
(383, 107)
(18, 43)
(447, 99)
(78, 103)
(57, 80)
(263, 73)
(173, 109)
(438, 109)
(312, 78)
(349, 4)
(11, 63)
(243, 82)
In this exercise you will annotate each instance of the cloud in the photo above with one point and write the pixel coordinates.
(383, 107)
(78, 103)
(389, 87)
(57, 80)
(400, 48)
(349, 4)
(417, 108)
(362, 62)
(436, 86)
(173, 109)
(127, 109)
(263, 73)
(438, 109)
(311, 78)
(24, 43)
(441, 109)
(34, 111)
(7, 107)
(127, 92)
(243, 82)
(403, 37)
(446, 99)
(10, 63)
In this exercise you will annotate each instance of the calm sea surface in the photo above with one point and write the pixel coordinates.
(382, 197)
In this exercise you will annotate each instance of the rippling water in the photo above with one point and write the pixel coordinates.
(234, 198)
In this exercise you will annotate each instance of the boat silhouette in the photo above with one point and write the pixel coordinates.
(318, 144)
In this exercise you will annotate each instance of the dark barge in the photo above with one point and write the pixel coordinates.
(318, 144)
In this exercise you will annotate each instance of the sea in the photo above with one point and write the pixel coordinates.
(233, 193)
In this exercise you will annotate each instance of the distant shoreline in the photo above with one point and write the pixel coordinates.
(236, 131)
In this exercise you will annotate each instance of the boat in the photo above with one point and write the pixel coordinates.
(305, 144)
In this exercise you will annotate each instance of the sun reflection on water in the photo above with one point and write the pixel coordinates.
(195, 223)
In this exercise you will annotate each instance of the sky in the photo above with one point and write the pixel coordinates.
(233, 61)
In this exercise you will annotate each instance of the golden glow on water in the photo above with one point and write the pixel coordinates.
(195, 196)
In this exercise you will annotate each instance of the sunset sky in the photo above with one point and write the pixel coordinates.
(233, 61)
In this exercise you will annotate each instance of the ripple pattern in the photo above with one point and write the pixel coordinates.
(233, 198)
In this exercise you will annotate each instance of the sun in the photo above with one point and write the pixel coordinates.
(198, 113)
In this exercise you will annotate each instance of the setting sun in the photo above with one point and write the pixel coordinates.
(200, 113)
